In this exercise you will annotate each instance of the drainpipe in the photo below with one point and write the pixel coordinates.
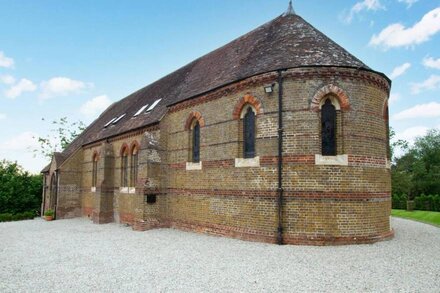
(280, 158)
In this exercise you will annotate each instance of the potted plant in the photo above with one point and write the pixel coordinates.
(48, 215)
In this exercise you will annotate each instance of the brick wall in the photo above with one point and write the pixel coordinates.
(324, 204)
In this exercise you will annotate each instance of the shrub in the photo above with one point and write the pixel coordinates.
(422, 202)
(399, 201)
(7, 217)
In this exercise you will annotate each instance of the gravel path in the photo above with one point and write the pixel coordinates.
(78, 256)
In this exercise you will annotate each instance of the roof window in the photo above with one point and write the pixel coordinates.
(140, 110)
(153, 105)
(110, 122)
(118, 119)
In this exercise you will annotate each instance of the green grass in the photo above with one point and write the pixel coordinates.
(421, 216)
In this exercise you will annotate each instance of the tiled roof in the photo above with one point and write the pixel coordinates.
(288, 41)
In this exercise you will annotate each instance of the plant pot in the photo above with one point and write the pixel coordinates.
(48, 218)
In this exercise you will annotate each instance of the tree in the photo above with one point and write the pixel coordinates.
(19, 191)
(417, 171)
(59, 137)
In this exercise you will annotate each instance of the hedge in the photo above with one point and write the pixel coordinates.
(422, 202)
(399, 201)
(7, 217)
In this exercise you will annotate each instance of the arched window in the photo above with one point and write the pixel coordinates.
(328, 128)
(387, 127)
(196, 142)
(134, 166)
(53, 190)
(95, 170)
(249, 133)
(124, 167)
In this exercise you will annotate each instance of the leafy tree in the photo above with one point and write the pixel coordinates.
(418, 170)
(19, 191)
(63, 133)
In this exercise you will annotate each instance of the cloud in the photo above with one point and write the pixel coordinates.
(61, 86)
(409, 3)
(400, 70)
(431, 62)
(24, 141)
(428, 110)
(364, 5)
(396, 35)
(2, 116)
(95, 106)
(431, 83)
(410, 134)
(394, 97)
(7, 79)
(6, 61)
(24, 85)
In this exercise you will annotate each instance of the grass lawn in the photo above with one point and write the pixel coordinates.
(421, 216)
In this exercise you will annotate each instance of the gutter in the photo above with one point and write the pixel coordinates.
(280, 158)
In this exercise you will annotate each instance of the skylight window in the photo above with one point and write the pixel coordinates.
(110, 122)
(140, 110)
(153, 105)
(118, 119)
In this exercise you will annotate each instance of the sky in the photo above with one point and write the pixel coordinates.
(73, 58)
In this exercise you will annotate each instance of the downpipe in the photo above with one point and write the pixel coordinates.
(280, 159)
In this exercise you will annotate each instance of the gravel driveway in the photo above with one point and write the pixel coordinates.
(78, 256)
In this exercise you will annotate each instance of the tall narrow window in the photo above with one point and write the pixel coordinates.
(134, 167)
(124, 168)
(328, 129)
(196, 143)
(249, 133)
(95, 170)
(387, 127)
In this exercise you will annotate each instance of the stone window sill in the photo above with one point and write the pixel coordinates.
(247, 162)
(127, 189)
(339, 160)
(193, 166)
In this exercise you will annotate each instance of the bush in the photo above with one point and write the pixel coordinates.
(20, 191)
(7, 217)
(422, 202)
(399, 201)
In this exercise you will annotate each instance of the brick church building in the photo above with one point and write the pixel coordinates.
(279, 136)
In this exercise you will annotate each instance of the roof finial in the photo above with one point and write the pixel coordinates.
(290, 10)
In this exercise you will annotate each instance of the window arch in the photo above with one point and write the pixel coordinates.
(53, 190)
(95, 169)
(328, 128)
(193, 125)
(134, 165)
(196, 142)
(124, 166)
(248, 116)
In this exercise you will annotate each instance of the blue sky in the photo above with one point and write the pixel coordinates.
(73, 58)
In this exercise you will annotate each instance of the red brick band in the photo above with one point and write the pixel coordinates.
(305, 195)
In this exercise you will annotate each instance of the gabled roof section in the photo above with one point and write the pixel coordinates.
(288, 41)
